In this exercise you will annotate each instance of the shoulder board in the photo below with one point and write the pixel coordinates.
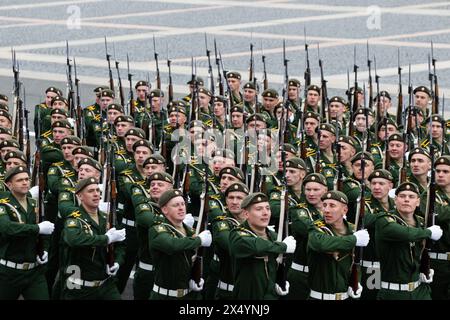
(4, 200)
(63, 196)
(126, 172)
(215, 197)
(71, 223)
(319, 223)
(58, 164)
(275, 196)
(144, 207)
(425, 143)
(47, 134)
(2, 210)
(75, 214)
(245, 232)
(91, 108)
(223, 225)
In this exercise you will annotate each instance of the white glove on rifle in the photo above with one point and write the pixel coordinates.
(44, 258)
(112, 271)
(423, 278)
(357, 294)
(362, 238)
(280, 291)
(189, 220)
(34, 191)
(103, 206)
(271, 228)
(205, 237)
(194, 287)
(291, 244)
(115, 235)
(46, 227)
(436, 232)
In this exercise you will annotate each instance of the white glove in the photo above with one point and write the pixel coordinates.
(357, 294)
(362, 238)
(44, 258)
(34, 191)
(206, 238)
(423, 278)
(46, 227)
(103, 206)
(71, 121)
(194, 287)
(291, 244)
(112, 271)
(115, 235)
(280, 291)
(189, 220)
(436, 232)
(271, 228)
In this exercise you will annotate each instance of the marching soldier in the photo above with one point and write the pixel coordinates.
(420, 164)
(21, 264)
(43, 109)
(172, 245)
(399, 241)
(254, 250)
(422, 98)
(396, 152)
(270, 101)
(303, 217)
(92, 113)
(439, 139)
(330, 247)
(251, 105)
(312, 99)
(5, 119)
(234, 81)
(86, 237)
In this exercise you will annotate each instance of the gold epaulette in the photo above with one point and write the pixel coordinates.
(319, 223)
(310, 152)
(69, 174)
(425, 143)
(4, 200)
(75, 214)
(43, 106)
(58, 164)
(121, 152)
(91, 107)
(47, 134)
(215, 197)
(126, 172)
(376, 144)
(220, 218)
(97, 117)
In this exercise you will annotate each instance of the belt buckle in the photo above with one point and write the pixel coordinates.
(97, 283)
(338, 296)
(26, 266)
(180, 293)
(411, 286)
(448, 256)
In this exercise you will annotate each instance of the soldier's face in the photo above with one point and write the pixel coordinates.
(90, 196)
(269, 103)
(78, 157)
(294, 176)
(234, 84)
(204, 99)
(5, 136)
(56, 117)
(141, 154)
(357, 169)
(443, 175)
(336, 109)
(59, 134)
(380, 188)
(86, 171)
(60, 105)
(173, 119)
(157, 188)
(156, 104)
(141, 92)
(226, 180)
(333, 211)
(249, 95)
(293, 92)
(14, 162)
(220, 162)
(385, 104)
(396, 149)
(420, 164)
(129, 141)
(326, 139)
(390, 131)
(105, 102)
(310, 126)
(264, 143)
(5, 150)
(152, 168)
(258, 215)
(122, 128)
(258, 125)
(112, 115)
(175, 210)
(48, 98)
(234, 200)
(19, 183)
(237, 120)
(219, 110)
(67, 151)
(436, 129)
(4, 122)
(421, 99)
(312, 98)
(314, 192)
(360, 122)
(347, 152)
(406, 202)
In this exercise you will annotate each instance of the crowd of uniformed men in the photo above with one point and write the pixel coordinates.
(320, 165)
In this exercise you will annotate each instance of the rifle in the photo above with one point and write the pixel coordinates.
(121, 94)
(325, 112)
(42, 187)
(318, 167)
(79, 118)
(430, 215)
(355, 94)
(130, 94)
(369, 64)
(27, 131)
(170, 77)
(403, 171)
(265, 81)
(251, 71)
(158, 76)
(108, 58)
(221, 89)
(338, 184)
(70, 91)
(435, 104)
(18, 104)
(377, 81)
(400, 92)
(359, 225)
(307, 74)
(210, 71)
(387, 157)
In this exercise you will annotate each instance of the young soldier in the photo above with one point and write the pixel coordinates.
(330, 247)
(399, 241)
(254, 250)
(21, 271)
(420, 165)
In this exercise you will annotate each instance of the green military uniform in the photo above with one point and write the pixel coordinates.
(92, 118)
(172, 253)
(255, 263)
(20, 274)
(86, 247)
